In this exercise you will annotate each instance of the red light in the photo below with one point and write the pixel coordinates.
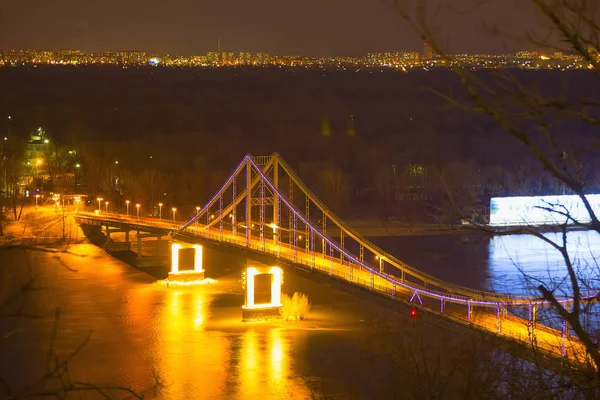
(413, 312)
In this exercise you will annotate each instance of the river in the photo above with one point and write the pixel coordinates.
(511, 264)
(192, 338)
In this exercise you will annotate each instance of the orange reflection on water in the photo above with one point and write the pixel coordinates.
(194, 361)
(265, 367)
(198, 351)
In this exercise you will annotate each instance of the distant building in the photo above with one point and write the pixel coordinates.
(527, 54)
(37, 142)
(428, 51)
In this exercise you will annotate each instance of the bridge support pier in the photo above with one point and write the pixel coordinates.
(442, 305)
(252, 311)
(112, 246)
(155, 260)
(177, 274)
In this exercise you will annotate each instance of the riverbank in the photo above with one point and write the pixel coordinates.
(44, 224)
(379, 228)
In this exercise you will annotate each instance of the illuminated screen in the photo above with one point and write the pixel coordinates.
(536, 210)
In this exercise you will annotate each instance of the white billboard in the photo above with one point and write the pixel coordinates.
(541, 210)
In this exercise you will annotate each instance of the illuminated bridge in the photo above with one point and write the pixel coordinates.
(264, 208)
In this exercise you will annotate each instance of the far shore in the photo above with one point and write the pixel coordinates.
(378, 228)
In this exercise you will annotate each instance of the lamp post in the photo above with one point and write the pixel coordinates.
(77, 166)
(99, 200)
(174, 211)
(127, 204)
(106, 204)
(160, 210)
(196, 220)
(36, 200)
(275, 227)
(38, 162)
(380, 264)
(137, 206)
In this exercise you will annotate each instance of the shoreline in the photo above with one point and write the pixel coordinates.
(42, 226)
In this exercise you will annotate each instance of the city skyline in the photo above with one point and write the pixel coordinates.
(402, 60)
(310, 28)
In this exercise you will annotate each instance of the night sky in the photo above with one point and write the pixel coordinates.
(303, 27)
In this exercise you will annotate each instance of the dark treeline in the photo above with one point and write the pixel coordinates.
(371, 143)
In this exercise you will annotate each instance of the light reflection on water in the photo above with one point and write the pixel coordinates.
(243, 361)
(517, 263)
(191, 337)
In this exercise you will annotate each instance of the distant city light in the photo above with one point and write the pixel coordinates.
(399, 60)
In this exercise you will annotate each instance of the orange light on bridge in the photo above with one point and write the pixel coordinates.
(137, 206)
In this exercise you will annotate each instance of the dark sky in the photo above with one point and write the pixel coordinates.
(305, 27)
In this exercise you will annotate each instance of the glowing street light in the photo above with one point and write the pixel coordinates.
(174, 211)
(160, 210)
(106, 204)
(137, 206)
(38, 162)
(275, 227)
(380, 263)
(196, 220)
(127, 203)
(99, 199)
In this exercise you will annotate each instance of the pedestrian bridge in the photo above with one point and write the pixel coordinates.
(264, 208)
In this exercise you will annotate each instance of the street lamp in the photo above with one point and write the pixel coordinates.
(77, 166)
(127, 203)
(99, 200)
(138, 210)
(275, 227)
(106, 203)
(380, 263)
(160, 210)
(36, 200)
(174, 211)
